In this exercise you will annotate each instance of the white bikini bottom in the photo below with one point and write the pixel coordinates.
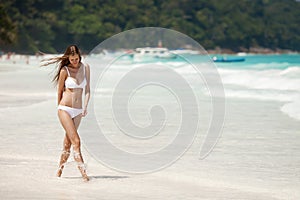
(73, 112)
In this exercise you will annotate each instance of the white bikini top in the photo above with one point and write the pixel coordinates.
(71, 82)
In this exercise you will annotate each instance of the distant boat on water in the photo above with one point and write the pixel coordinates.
(185, 51)
(224, 59)
(152, 52)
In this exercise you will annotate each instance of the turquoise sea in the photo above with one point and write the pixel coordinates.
(266, 78)
(274, 77)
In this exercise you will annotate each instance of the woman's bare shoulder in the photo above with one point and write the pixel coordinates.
(63, 72)
(85, 64)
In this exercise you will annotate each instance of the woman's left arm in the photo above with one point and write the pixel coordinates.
(87, 90)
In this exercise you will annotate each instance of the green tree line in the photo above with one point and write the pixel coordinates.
(29, 26)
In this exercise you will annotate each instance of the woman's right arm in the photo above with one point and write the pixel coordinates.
(61, 84)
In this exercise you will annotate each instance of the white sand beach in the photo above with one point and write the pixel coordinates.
(257, 156)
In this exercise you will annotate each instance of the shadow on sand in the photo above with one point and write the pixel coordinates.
(97, 177)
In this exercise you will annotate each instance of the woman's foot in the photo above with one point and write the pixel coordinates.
(82, 170)
(81, 166)
(86, 178)
(59, 172)
(63, 159)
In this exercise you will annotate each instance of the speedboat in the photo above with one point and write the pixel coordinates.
(224, 59)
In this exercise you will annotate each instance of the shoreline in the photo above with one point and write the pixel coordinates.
(9, 56)
(252, 50)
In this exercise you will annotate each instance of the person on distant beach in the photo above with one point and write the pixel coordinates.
(72, 78)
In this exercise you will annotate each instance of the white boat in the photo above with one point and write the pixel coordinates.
(185, 51)
(147, 53)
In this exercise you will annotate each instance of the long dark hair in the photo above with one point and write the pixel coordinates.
(63, 60)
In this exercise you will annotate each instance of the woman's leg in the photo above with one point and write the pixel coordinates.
(70, 125)
(77, 154)
(65, 155)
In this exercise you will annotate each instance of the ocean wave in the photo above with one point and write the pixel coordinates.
(267, 79)
(292, 109)
(272, 65)
(291, 72)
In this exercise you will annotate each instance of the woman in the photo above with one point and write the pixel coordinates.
(72, 78)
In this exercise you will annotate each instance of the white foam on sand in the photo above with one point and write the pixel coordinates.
(257, 156)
